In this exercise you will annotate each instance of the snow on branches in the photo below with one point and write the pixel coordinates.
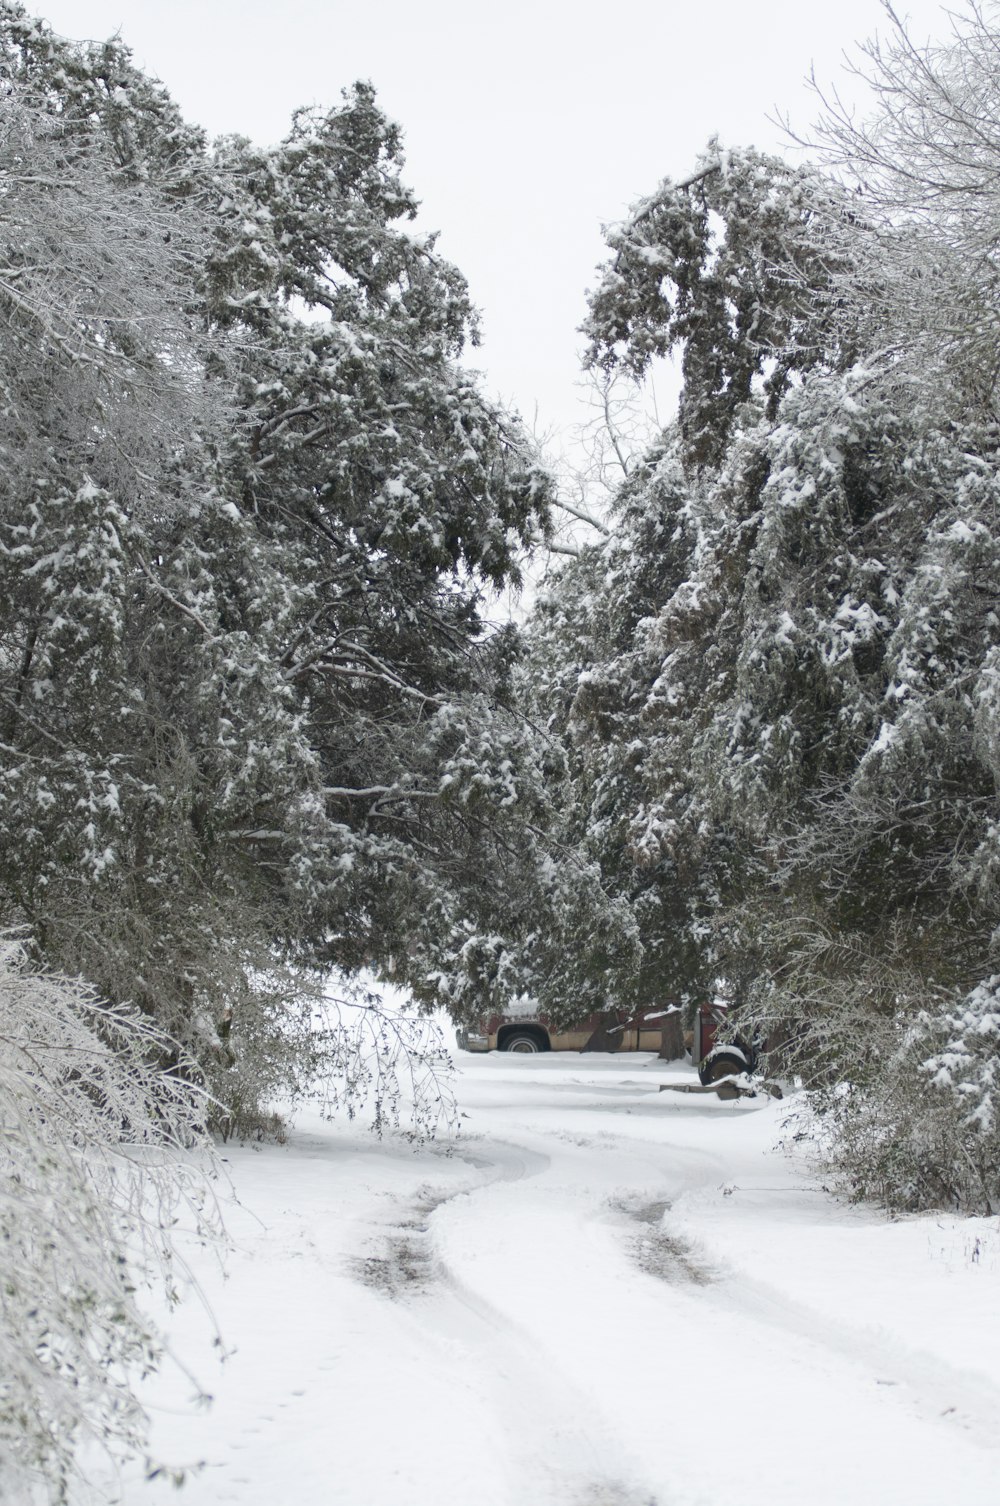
(776, 683)
(97, 1167)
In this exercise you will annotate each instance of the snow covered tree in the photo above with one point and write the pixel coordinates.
(630, 645)
(252, 510)
(728, 265)
(394, 494)
(592, 675)
(776, 683)
(920, 169)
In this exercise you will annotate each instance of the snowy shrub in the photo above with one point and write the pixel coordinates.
(903, 1101)
(969, 1067)
(95, 1173)
(965, 1081)
(899, 1074)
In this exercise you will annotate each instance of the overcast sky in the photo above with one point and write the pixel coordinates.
(528, 123)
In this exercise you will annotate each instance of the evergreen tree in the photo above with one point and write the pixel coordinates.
(777, 681)
(253, 507)
(735, 265)
(593, 675)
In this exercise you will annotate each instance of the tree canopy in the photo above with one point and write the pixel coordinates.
(254, 508)
(256, 723)
(776, 681)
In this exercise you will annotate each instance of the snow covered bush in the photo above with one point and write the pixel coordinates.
(900, 1094)
(969, 1065)
(964, 1078)
(96, 1170)
(914, 1130)
(343, 1043)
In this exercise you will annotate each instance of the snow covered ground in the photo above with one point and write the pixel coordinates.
(600, 1296)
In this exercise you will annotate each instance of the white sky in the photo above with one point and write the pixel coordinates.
(527, 123)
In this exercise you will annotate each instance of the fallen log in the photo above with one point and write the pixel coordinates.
(725, 1087)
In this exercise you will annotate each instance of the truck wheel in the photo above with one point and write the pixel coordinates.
(524, 1043)
(722, 1061)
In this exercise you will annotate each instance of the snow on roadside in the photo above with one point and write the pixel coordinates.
(605, 1296)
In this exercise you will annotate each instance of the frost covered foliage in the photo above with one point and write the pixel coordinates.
(388, 1065)
(901, 1073)
(339, 1043)
(251, 511)
(921, 173)
(775, 685)
(95, 1171)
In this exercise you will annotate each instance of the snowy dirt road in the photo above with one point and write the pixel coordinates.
(602, 1296)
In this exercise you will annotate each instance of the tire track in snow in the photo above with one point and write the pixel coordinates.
(935, 1390)
(654, 1249)
(559, 1460)
(402, 1261)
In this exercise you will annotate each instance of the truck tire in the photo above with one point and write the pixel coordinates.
(524, 1042)
(722, 1061)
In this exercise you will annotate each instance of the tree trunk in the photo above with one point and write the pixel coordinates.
(671, 1037)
